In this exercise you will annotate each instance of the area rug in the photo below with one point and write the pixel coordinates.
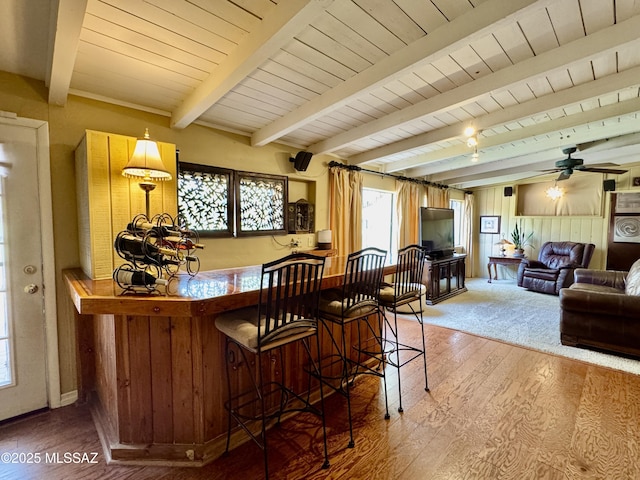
(503, 311)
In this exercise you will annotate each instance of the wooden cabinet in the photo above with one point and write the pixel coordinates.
(107, 201)
(444, 278)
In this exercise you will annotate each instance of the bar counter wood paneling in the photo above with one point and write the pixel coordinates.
(152, 366)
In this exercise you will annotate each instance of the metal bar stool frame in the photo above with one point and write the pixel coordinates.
(287, 312)
(406, 289)
(355, 301)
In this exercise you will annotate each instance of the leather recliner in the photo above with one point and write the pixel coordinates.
(555, 266)
(601, 310)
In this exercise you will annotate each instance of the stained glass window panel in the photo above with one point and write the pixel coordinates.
(262, 201)
(205, 198)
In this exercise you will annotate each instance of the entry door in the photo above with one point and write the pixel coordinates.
(23, 385)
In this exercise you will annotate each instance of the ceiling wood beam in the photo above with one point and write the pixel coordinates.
(442, 41)
(608, 144)
(605, 40)
(278, 28)
(515, 113)
(517, 166)
(68, 25)
(589, 117)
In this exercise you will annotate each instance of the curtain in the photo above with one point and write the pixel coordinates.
(345, 209)
(467, 234)
(355, 238)
(408, 203)
(437, 197)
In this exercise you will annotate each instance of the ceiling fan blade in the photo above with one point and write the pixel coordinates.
(603, 170)
(563, 176)
(602, 165)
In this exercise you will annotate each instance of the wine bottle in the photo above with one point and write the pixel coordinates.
(137, 277)
(137, 247)
(144, 227)
(142, 223)
(181, 243)
(161, 230)
(161, 261)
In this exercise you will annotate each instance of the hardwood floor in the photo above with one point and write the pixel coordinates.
(494, 411)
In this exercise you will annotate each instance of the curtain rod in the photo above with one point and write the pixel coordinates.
(399, 177)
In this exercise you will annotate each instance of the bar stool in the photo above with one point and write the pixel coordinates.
(355, 301)
(286, 313)
(406, 289)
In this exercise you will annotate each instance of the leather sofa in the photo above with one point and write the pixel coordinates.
(555, 266)
(602, 310)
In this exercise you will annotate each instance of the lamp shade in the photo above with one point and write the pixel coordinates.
(146, 161)
(504, 241)
(324, 239)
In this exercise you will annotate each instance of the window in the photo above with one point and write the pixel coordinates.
(458, 218)
(379, 222)
(209, 198)
(205, 199)
(261, 201)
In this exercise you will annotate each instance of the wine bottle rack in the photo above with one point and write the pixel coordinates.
(155, 248)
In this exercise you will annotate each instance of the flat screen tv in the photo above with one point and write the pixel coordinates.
(436, 231)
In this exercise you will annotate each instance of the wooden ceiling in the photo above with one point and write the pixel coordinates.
(384, 84)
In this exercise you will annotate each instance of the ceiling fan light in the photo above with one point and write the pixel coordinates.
(472, 142)
(469, 131)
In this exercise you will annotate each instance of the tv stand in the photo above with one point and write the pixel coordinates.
(439, 254)
(444, 278)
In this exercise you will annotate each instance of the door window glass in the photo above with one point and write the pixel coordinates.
(6, 377)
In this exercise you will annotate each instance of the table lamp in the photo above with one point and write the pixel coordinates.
(324, 239)
(146, 163)
(503, 243)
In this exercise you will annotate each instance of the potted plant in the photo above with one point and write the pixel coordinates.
(520, 239)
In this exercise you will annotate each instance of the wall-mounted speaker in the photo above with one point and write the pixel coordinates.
(301, 162)
(508, 191)
(609, 185)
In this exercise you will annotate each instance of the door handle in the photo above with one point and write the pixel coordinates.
(31, 288)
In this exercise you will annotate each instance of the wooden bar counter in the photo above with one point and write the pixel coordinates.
(153, 367)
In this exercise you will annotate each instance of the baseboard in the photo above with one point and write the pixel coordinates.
(68, 398)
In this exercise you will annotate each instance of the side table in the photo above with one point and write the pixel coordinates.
(501, 260)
